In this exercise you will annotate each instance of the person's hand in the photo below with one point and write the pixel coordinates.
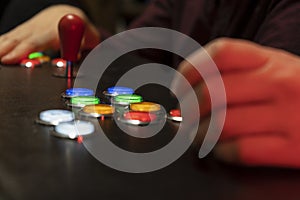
(263, 101)
(41, 33)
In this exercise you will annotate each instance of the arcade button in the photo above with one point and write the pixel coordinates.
(30, 63)
(138, 118)
(74, 129)
(97, 111)
(54, 117)
(41, 57)
(81, 101)
(175, 115)
(35, 55)
(145, 107)
(117, 90)
(59, 62)
(76, 92)
(126, 99)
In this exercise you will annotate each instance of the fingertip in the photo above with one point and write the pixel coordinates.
(11, 58)
(17, 54)
(236, 54)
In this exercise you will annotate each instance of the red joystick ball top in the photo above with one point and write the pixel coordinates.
(71, 29)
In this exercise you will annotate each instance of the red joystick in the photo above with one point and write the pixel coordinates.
(71, 29)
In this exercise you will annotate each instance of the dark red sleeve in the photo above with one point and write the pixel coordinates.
(157, 14)
(281, 27)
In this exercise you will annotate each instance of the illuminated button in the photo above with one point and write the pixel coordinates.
(54, 117)
(97, 110)
(43, 59)
(145, 107)
(34, 55)
(59, 62)
(127, 99)
(114, 91)
(138, 118)
(75, 92)
(83, 101)
(73, 129)
(30, 63)
(175, 115)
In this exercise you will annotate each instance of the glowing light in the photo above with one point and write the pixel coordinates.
(119, 90)
(140, 116)
(56, 116)
(86, 100)
(175, 115)
(28, 63)
(145, 107)
(128, 98)
(35, 55)
(99, 109)
(43, 59)
(74, 129)
(74, 92)
(59, 62)
(80, 139)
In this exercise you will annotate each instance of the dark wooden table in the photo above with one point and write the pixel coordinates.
(36, 165)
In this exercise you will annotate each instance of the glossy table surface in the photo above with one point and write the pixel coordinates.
(36, 165)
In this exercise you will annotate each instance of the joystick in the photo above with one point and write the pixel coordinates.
(71, 29)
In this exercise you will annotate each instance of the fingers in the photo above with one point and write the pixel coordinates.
(18, 53)
(14, 49)
(40, 33)
(233, 54)
(247, 87)
(221, 56)
(6, 45)
(240, 88)
(260, 150)
(250, 119)
(227, 54)
(17, 44)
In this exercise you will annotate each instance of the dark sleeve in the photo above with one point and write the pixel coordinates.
(157, 14)
(281, 27)
(18, 11)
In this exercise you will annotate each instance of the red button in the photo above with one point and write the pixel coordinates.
(30, 63)
(59, 62)
(175, 113)
(140, 116)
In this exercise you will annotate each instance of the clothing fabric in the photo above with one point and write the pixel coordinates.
(274, 23)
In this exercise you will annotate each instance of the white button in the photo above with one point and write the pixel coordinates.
(56, 116)
(74, 128)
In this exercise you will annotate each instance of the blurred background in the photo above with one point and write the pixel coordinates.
(113, 15)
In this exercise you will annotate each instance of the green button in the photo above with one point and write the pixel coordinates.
(128, 98)
(35, 55)
(88, 100)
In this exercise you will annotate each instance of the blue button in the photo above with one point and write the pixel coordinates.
(74, 92)
(119, 90)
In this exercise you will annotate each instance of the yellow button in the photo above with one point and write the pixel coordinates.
(145, 107)
(100, 109)
(43, 59)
